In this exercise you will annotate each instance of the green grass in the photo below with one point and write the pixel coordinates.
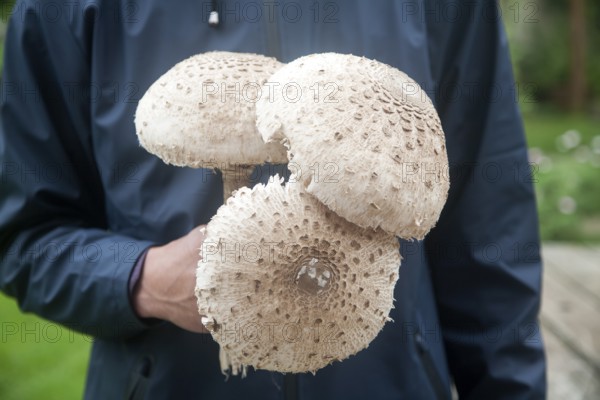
(39, 359)
(568, 172)
(543, 128)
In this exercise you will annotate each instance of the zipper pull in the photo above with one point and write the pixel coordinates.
(213, 18)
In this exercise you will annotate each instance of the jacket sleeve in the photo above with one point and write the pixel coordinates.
(484, 253)
(57, 256)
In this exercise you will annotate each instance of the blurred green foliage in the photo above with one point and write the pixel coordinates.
(538, 31)
(565, 150)
(569, 186)
(544, 128)
(5, 10)
(5, 7)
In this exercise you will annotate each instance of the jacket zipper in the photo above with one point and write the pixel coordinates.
(429, 365)
(290, 387)
(273, 42)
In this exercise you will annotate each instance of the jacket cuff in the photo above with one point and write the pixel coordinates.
(136, 272)
(134, 278)
(125, 281)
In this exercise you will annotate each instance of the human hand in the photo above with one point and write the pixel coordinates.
(166, 286)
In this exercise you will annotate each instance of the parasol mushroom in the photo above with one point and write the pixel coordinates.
(364, 139)
(285, 284)
(201, 113)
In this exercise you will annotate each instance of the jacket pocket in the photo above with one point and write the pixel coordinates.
(139, 380)
(440, 390)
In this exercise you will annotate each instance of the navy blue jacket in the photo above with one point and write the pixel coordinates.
(80, 200)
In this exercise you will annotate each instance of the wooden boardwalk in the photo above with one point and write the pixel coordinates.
(571, 320)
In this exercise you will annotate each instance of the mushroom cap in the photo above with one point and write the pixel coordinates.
(201, 113)
(287, 285)
(363, 138)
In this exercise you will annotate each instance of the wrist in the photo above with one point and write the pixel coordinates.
(146, 296)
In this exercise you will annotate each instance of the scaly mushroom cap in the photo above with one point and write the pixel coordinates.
(201, 113)
(287, 285)
(363, 137)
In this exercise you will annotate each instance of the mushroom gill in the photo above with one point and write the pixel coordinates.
(285, 284)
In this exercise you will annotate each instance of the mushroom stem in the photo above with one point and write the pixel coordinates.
(235, 177)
